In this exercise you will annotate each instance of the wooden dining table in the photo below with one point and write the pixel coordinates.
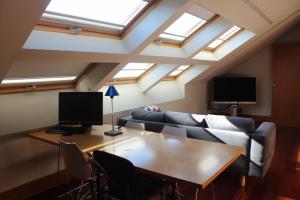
(190, 160)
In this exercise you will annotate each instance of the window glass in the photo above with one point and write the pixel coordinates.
(183, 27)
(133, 70)
(225, 36)
(115, 14)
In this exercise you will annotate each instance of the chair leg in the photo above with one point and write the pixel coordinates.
(213, 191)
(69, 184)
(92, 185)
(78, 194)
(243, 181)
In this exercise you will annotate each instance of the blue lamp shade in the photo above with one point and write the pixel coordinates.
(111, 91)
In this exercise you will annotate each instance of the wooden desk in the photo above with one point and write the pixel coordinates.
(195, 161)
(86, 142)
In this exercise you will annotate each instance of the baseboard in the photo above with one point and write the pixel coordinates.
(34, 187)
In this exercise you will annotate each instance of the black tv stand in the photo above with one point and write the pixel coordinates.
(69, 129)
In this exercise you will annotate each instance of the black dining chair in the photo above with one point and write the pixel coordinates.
(123, 179)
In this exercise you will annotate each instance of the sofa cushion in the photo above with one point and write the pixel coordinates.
(230, 123)
(185, 119)
(141, 114)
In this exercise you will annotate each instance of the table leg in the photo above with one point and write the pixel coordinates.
(174, 190)
(98, 185)
(196, 193)
(243, 181)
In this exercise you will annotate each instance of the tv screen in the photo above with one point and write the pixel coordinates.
(234, 89)
(84, 108)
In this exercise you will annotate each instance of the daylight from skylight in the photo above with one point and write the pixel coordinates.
(133, 70)
(225, 36)
(183, 27)
(179, 70)
(37, 80)
(114, 13)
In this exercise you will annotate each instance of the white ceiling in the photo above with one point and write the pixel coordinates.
(44, 69)
(49, 53)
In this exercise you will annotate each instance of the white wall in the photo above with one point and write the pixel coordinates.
(259, 66)
(31, 110)
(27, 111)
(167, 95)
(195, 100)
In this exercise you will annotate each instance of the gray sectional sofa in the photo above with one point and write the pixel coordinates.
(259, 143)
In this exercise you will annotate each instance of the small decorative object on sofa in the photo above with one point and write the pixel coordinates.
(152, 108)
(259, 143)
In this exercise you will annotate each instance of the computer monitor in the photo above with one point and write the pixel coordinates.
(83, 108)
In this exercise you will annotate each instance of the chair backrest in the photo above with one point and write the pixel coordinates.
(119, 172)
(76, 164)
(171, 130)
(135, 125)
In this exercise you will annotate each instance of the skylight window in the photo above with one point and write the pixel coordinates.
(109, 14)
(179, 70)
(225, 36)
(182, 28)
(133, 70)
(37, 80)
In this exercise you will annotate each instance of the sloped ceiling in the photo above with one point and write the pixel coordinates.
(262, 21)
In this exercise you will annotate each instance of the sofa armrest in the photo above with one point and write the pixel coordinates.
(262, 149)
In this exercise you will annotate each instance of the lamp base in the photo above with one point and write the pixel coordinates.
(113, 132)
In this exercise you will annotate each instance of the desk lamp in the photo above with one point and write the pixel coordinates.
(111, 92)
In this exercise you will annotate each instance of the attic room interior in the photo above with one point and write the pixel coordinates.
(150, 99)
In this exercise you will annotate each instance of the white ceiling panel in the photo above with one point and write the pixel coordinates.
(239, 13)
(44, 69)
(201, 12)
(277, 10)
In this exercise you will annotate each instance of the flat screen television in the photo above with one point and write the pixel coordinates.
(83, 108)
(234, 90)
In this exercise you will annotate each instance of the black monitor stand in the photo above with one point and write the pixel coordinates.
(70, 129)
(77, 129)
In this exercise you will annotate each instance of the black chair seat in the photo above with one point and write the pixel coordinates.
(124, 181)
(148, 186)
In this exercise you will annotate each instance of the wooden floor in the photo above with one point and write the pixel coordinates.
(282, 181)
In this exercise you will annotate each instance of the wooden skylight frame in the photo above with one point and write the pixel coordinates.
(171, 78)
(224, 42)
(179, 44)
(97, 32)
(128, 80)
(44, 86)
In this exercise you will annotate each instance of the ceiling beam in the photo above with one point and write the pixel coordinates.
(58, 41)
(37, 55)
(207, 35)
(191, 73)
(148, 29)
(249, 49)
(155, 75)
(17, 19)
(40, 55)
(95, 76)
